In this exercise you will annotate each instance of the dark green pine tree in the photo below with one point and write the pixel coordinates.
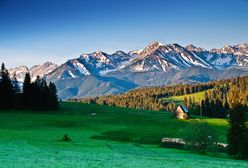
(1, 92)
(27, 87)
(17, 93)
(225, 108)
(218, 110)
(15, 84)
(206, 105)
(7, 92)
(237, 134)
(38, 99)
(53, 96)
(45, 95)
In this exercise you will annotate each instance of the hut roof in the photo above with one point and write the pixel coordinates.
(185, 110)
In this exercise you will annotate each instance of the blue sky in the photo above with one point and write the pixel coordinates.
(35, 31)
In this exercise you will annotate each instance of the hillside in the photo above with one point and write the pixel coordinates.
(179, 99)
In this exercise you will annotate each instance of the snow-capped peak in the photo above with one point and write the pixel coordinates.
(241, 50)
(151, 48)
(135, 52)
(191, 47)
(37, 70)
(156, 44)
(19, 72)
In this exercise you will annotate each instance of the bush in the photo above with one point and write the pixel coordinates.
(200, 137)
(66, 138)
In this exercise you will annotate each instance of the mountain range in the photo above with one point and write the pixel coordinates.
(157, 64)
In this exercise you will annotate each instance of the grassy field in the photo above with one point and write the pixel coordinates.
(101, 136)
(179, 99)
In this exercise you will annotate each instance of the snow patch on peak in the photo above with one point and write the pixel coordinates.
(71, 74)
(18, 72)
(80, 67)
(156, 44)
(152, 47)
(120, 53)
(135, 52)
(191, 47)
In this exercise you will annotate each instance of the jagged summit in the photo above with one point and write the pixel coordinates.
(191, 47)
(151, 48)
(156, 43)
(240, 49)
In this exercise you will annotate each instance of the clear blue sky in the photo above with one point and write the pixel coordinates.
(35, 31)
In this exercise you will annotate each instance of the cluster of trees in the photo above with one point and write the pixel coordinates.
(35, 95)
(238, 132)
(148, 98)
(217, 102)
(238, 91)
(173, 90)
(193, 106)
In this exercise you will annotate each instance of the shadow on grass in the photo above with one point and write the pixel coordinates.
(61, 124)
(125, 136)
(114, 136)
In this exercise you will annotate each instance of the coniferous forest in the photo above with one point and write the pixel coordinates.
(37, 95)
(149, 98)
(217, 100)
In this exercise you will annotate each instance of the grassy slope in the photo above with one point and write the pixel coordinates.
(34, 139)
(179, 99)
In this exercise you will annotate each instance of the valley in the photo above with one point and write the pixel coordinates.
(123, 84)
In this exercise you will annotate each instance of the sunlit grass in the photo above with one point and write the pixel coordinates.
(111, 137)
(179, 99)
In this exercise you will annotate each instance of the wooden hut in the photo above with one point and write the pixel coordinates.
(182, 112)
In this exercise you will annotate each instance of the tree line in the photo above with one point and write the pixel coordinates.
(37, 95)
(216, 102)
(148, 98)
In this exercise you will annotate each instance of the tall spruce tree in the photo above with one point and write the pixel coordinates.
(53, 96)
(7, 92)
(37, 101)
(17, 93)
(15, 84)
(26, 96)
(238, 133)
(1, 91)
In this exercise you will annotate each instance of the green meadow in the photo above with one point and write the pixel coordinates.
(179, 99)
(101, 136)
